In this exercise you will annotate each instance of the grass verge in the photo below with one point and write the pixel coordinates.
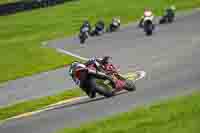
(32, 105)
(180, 115)
(21, 34)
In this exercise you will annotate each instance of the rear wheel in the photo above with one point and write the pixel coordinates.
(149, 32)
(104, 89)
(82, 41)
(104, 92)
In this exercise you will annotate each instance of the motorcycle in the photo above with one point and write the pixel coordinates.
(122, 82)
(98, 30)
(83, 34)
(168, 18)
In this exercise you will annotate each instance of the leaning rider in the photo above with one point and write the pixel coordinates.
(85, 77)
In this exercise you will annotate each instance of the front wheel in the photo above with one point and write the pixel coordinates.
(104, 92)
(149, 33)
(82, 41)
(148, 27)
(83, 37)
(130, 85)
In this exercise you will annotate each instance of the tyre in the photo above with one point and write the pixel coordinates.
(170, 19)
(149, 32)
(82, 41)
(130, 85)
(104, 92)
(148, 27)
(83, 37)
(162, 21)
(104, 89)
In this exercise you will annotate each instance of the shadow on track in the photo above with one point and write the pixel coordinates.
(56, 107)
(84, 101)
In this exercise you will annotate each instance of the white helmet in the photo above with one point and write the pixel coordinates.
(173, 7)
(95, 60)
(75, 65)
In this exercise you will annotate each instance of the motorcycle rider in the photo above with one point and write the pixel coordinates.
(170, 11)
(99, 28)
(85, 76)
(116, 22)
(85, 26)
(106, 66)
(147, 14)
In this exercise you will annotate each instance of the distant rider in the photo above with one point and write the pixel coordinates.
(147, 14)
(170, 11)
(116, 22)
(85, 27)
(100, 25)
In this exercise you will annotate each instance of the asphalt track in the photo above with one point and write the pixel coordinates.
(170, 57)
(39, 85)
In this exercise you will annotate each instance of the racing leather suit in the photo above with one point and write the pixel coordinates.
(85, 78)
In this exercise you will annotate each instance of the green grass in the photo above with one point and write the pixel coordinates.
(7, 1)
(32, 105)
(180, 115)
(21, 34)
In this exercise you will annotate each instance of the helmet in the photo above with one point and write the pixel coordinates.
(75, 65)
(147, 12)
(100, 21)
(86, 23)
(116, 20)
(173, 7)
(106, 60)
(95, 60)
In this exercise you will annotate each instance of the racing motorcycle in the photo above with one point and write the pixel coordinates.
(83, 35)
(168, 17)
(122, 82)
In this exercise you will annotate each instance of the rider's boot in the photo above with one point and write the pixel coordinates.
(92, 94)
